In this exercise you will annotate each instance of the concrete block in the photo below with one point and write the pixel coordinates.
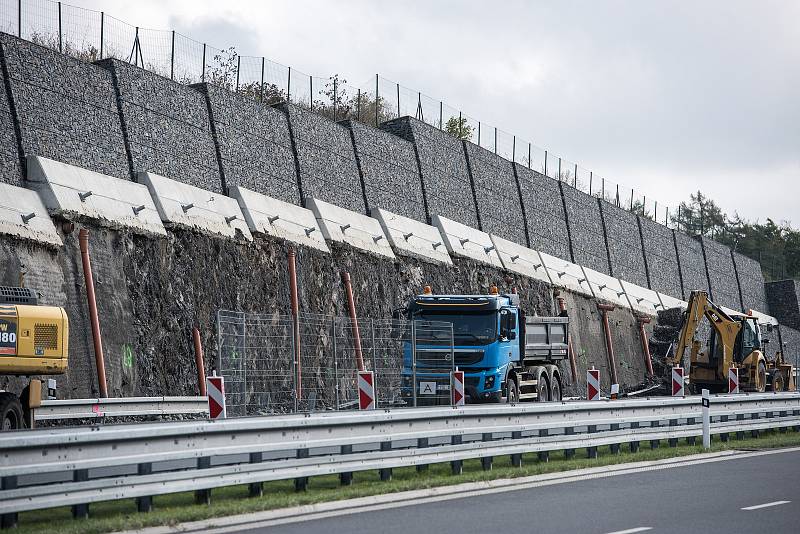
(567, 274)
(606, 287)
(24, 215)
(519, 259)
(641, 299)
(461, 240)
(279, 219)
(187, 206)
(355, 229)
(73, 192)
(624, 244)
(586, 229)
(413, 238)
(722, 279)
(751, 282)
(544, 210)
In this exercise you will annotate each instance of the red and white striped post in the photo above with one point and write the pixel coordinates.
(457, 379)
(678, 382)
(733, 380)
(366, 390)
(593, 384)
(215, 388)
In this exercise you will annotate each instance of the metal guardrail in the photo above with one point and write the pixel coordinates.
(260, 449)
(53, 410)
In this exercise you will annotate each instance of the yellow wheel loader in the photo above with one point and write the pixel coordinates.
(736, 341)
(33, 341)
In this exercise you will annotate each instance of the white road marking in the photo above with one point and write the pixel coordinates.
(765, 505)
(631, 530)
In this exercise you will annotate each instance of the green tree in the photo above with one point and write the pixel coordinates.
(700, 216)
(458, 128)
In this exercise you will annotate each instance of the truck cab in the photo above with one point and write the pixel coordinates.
(505, 355)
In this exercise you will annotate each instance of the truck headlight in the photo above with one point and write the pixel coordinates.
(488, 382)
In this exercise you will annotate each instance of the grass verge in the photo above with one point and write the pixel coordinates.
(178, 508)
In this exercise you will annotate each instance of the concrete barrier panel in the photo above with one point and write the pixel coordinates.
(722, 279)
(520, 259)
(606, 287)
(671, 302)
(24, 215)
(692, 264)
(389, 171)
(413, 238)
(751, 282)
(355, 229)
(461, 240)
(73, 192)
(188, 206)
(544, 211)
(662, 258)
(497, 194)
(279, 219)
(66, 108)
(448, 189)
(641, 299)
(566, 274)
(624, 244)
(586, 229)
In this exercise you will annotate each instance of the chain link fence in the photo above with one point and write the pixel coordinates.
(275, 364)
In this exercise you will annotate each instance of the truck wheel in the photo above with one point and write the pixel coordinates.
(761, 378)
(512, 390)
(542, 387)
(10, 412)
(555, 389)
(778, 381)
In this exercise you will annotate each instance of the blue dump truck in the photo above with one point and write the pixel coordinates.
(506, 356)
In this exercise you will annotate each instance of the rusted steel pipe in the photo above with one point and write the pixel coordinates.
(295, 303)
(604, 309)
(645, 345)
(198, 360)
(351, 307)
(573, 364)
(83, 239)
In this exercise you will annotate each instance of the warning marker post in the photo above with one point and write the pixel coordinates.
(706, 419)
(215, 389)
(678, 389)
(733, 380)
(593, 384)
(457, 380)
(366, 390)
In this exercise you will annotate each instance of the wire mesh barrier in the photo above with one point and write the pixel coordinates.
(90, 35)
(274, 363)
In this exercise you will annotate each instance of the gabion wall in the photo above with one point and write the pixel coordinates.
(585, 229)
(751, 282)
(624, 244)
(496, 193)
(325, 156)
(10, 169)
(692, 264)
(662, 259)
(167, 126)
(544, 213)
(66, 110)
(784, 301)
(389, 171)
(721, 274)
(445, 176)
(254, 144)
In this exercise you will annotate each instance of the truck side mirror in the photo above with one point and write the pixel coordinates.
(511, 335)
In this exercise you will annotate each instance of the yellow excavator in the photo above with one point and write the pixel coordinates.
(736, 341)
(33, 341)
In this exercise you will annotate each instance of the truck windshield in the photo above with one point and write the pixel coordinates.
(468, 328)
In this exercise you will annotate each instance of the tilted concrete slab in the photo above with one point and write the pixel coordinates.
(519, 259)
(461, 240)
(345, 226)
(606, 287)
(567, 274)
(763, 318)
(188, 206)
(641, 299)
(413, 238)
(24, 215)
(73, 192)
(270, 216)
(671, 302)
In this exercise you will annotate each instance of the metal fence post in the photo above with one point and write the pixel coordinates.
(529, 156)
(460, 126)
(545, 162)
(441, 114)
(289, 86)
(102, 31)
(374, 363)
(60, 31)
(203, 72)
(398, 100)
(414, 361)
(495, 139)
(261, 86)
(335, 95)
(479, 133)
(559, 168)
(238, 70)
(172, 58)
(590, 182)
(311, 91)
(358, 106)
(514, 149)
(19, 18)
(377, 100)
(575, 177)
(335, 361)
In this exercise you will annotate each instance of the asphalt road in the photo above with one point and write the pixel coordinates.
(709, 497)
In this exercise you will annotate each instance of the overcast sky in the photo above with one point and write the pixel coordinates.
(666, 97)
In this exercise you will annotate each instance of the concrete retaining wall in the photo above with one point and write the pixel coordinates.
(722, 278)
(585, 229)
(544, 213)
(624, 244)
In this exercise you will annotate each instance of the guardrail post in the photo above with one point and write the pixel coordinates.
(9, 520)
(754, 433)
(706, 400)
(256, 489)
(591, 452)
(421, 444)
(740, 433)
(301, 483)
(691, 440)
(346, 479)
(456, 466)
(516, 459)
(80, 511)
(144, 504)
(673, 442)
(486, 461)
(723, 437)
(655, 443)
(614, 447)
(544, 456)
(203, 496)
(795, 413)
(782, 429)
(569, 453)
(386, 473)
(634, 445)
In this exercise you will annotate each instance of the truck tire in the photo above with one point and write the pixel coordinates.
(11, 417)
(555, 388)
(778, 381)
(512, 390)
(761, 378)
(542, 386)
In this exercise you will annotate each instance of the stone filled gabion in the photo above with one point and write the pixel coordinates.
(327, 161)
(497, 194)
(784, 301)
(751, 281)
(389, 171)
(624, 244)
(791, 340)
(255, 146)
(66, 110)
(10, 169)
(692, 264)
(544, 211)
(167, 126)
(586, 229)
(721, 274)
(444, 169)
(661, 256)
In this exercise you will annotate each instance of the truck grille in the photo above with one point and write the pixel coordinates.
(442, 358)
(45, 336)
